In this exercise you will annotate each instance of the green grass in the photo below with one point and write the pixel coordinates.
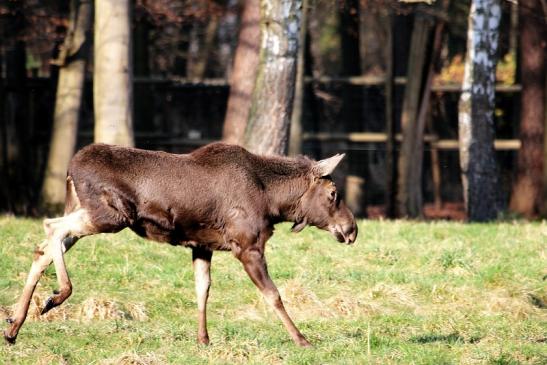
(406, 292)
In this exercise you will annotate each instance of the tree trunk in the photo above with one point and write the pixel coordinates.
(326, 105)
(372, 37)
(67, 103)
(389, 91)
(143, 109)
(243, 74)
(480, 180)
(323, 23)
(227, 38)
(16, 129)
(267, 129)
(202, 39)
(349, 37)
(4, 176)
(409, 184)
(544, 209)
(295, 142)
(526, 198)
(112, 81)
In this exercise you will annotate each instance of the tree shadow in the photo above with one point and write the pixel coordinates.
(453, 338)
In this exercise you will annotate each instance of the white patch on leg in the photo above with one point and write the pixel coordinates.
(76, 224)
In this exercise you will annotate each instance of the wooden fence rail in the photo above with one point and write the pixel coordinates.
(356, 137)
(441, 144)
(350, 80)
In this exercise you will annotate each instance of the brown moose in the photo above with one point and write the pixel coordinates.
(219, 197)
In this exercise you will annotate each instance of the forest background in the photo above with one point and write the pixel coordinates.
(380, 80)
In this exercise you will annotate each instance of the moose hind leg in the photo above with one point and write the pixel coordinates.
(201, 260)
(65, 286)
(42, 259)
(62, 234)
(254, 264)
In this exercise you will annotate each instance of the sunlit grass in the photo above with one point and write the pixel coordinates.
(406, 292)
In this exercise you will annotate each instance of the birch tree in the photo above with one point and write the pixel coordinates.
(267, 130)
(480, 180)
(72, 61)
(112, 80)
(409, 183)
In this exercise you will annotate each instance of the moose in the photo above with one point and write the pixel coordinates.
(219, 197)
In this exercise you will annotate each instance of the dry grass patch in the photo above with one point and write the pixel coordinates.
(348, 305)
(519, 306)
(392, 294)
(52, 359)
(89, 310)
(60, 313)
(132, 358)
(244, 352)
(488, 302)
(303, 303)
(5, 312)
(101, 309)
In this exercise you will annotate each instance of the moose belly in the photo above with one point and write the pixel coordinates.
(157, 232)
(210, 238)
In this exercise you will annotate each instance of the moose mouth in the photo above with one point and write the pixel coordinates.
(340, 236)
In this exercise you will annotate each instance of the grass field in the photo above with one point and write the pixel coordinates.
(406, 292)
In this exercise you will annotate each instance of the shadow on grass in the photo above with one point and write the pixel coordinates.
(452, 338)
(537, 301)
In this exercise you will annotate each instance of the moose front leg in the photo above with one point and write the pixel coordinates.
(255, 265)
(201, 260)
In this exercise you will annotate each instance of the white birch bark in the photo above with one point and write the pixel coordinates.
(70, 87)
(476, 113)
(112, 81)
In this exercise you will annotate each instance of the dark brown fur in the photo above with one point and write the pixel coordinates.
(220, 197)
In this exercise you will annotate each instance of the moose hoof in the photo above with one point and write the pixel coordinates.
(49, 305)
(203, 340)
(302, 342)
(9, 339)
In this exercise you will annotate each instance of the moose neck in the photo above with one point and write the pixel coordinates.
(285, 181)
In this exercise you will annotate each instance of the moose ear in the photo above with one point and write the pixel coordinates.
(326, 167)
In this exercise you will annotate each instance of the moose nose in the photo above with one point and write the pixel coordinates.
(350, 233)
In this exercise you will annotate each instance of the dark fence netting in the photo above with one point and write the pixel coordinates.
(178, 117)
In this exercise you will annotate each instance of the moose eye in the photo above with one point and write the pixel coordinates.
(333, 195)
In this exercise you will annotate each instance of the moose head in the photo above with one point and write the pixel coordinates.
(321, 205)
